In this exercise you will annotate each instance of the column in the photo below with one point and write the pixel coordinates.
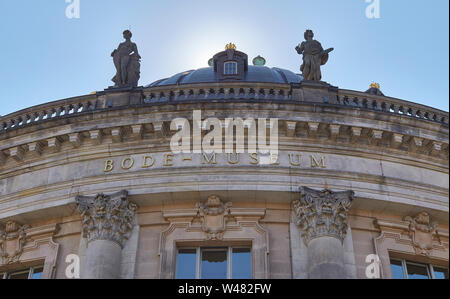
(107, 223)
(322, 219)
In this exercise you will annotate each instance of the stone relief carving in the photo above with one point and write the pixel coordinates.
(12, 241)
(322, 213)
(212, 221)
(107, 217)
(416, 235)
(214, 216)
(421, 231)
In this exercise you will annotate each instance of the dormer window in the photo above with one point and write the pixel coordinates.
(230, 65)
(230, 68)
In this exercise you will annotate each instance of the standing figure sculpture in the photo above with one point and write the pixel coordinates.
(127, 63)
(314, 56)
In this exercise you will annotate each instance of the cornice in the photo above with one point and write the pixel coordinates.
(328, 130)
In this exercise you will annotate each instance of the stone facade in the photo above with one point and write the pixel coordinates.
(322, 217)
(357, 174)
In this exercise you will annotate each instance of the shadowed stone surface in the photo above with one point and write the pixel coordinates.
(103, 260)
(326, 259)
(107, 224)
(322, 217)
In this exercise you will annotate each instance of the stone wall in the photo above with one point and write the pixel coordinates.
(396, 165)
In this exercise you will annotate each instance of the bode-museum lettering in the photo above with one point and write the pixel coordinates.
(146, 161)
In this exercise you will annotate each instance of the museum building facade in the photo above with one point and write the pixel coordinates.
(358, 187)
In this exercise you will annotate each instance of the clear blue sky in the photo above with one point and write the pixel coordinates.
(46, 56)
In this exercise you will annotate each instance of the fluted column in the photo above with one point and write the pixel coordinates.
(322, 218)
(107, 223)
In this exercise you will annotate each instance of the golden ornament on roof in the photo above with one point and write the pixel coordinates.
(230, 46)
(375, 85)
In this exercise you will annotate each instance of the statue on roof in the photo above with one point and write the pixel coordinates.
(127, 62)
(314, 56)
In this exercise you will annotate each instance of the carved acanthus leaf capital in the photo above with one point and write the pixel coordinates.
(107, 217)
(322, 213)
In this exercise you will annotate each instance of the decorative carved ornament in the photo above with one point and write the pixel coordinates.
(214, 216)
(322, 213)
(421, 231)
(12, 241)
(413, 236)
(107, 217)
(214, 221)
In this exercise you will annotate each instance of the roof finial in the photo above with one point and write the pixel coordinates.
(375, 85)
(375, 89)
(230, 46)
(259, 61)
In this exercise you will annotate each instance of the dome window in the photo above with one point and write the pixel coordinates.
(230, 65)
(230, 68)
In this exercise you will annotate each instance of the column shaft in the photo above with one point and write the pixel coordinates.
(107, 222)
(322, 217)
(326, 259)
(102, 260)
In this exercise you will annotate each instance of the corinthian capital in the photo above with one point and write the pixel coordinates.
(107, 217)
(322, 213)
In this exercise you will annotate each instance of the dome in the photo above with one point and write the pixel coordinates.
(257, 74)
(231, 66)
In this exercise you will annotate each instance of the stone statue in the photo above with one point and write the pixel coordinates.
(313, 57)
(127, 63)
